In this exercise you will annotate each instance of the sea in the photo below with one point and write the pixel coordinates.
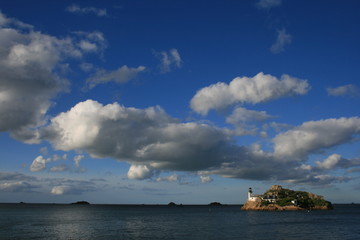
(66, 221)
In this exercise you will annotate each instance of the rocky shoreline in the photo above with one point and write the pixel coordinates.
(257, 206)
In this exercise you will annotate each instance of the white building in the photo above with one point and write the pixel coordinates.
(250, 196)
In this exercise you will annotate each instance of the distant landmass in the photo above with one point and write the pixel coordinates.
(81, 203)
(215, 204)
(278, 198)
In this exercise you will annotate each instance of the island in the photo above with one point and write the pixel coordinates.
(172, 204)
(215, 204)
(278, 198)
(81, 203)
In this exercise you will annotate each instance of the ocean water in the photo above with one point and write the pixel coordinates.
(46, 221)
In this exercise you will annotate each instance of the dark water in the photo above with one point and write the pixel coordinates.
(37, 221)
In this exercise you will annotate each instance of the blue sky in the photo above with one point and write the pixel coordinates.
(184, 101)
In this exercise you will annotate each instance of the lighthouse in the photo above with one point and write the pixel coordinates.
(249, 193)
(250, 196)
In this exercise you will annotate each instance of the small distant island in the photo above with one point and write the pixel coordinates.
(278, 198)
(215, 204)
(81, 203)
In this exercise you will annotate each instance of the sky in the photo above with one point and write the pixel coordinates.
(151, 102)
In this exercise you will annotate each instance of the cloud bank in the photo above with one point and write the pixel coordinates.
(149, 139)
(152, 141)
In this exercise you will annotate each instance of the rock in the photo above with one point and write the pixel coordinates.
(172, 204)
(215, 204)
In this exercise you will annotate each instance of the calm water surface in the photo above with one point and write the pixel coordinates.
(42, 221)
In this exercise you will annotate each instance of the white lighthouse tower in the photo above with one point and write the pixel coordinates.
(250, 196)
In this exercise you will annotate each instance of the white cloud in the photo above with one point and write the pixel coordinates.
(169, 59)
(139, 172)
(346, 90)
(120, 75)
(77, 160)
(91, 41)
(152, 142)
(38, 164)
(59, 168)
(6, 22)
(337, 161)
(330, 162)
(74, 8)
(260, 88)
(267, 4)
(282, 40)
(245, 115)
(314, 136)
(245, 120)
(143, 137)
(30, 76)
(205, 179)
(59, 190)
(88, 46)
(19, 186)
(171, 178)
(72, 187)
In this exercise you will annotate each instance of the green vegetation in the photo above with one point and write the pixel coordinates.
(284, 197)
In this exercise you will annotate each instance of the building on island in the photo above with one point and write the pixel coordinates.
(271, 196)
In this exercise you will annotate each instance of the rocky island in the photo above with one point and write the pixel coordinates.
(278, 198)
(81, 203)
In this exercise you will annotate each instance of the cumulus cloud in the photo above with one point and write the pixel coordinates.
(335, 161)
(38, 164)
(268, 4)
(282, 40)
(148, 138)
(346, 90)
(260, 88)
(205, 179)
(139, 172)
(120, 75)
(315, 136)
(74, 8)
(30, 76)
(244, 120)
(151, 141)
(169, 59)
(59, 190)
